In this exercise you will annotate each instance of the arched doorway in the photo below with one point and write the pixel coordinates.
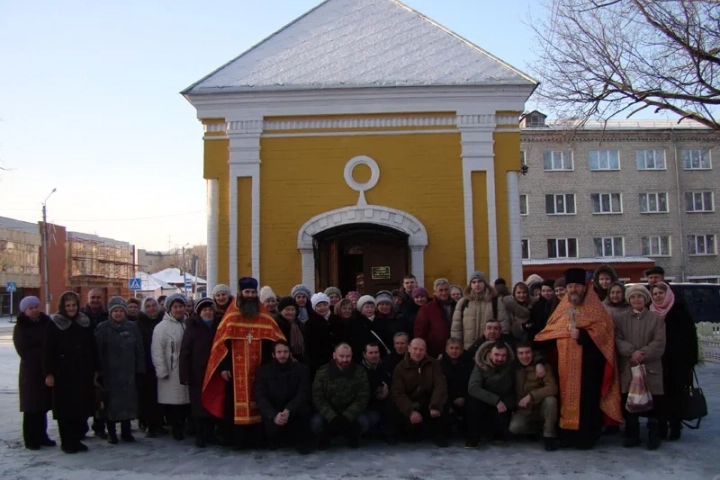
(363, 257)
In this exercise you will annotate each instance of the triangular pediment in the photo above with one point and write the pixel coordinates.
(360, 44)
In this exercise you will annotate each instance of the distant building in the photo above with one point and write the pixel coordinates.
(99, 262)
(20, 244)
(629, 193)
(152, 262)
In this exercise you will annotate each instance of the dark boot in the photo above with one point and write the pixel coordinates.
(112, 437)
(98, 427)
(551, 444)
(632, 431)
(126, 431)
(662, 428)
(675, 431)
(201, 434)
(653, 439)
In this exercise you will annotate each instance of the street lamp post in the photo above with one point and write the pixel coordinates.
(45, 253)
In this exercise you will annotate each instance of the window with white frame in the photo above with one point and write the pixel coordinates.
(606, 203)
(656, 246)
(650, 159)
(701, 244)
(523, 204)
(562, 248)
(525, 248)
(699, 202)
(554, 160)
(655, 202)
(560, 204)
(604, 160)
(609, 247)
(696, 159)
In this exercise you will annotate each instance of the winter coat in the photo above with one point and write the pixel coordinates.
(122, 359)
(614, 310)
(377, 375)
(457, 375)
(96, 317)
(319, 339)
(519, 318)
(278, 387)
(419, 385)
(528, 383)
(166, 343)
(644, 331)
(539, 315)
(220, 310)
(681, 350)
(492, 384)
(195, 351)
(361, 331)
(472, 313)
(432, 324)
(146, 326)
(70, 356)
(408, 314)
(28, 336)
(340, 392)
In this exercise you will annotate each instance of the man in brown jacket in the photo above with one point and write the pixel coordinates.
(537, 398)
(419, 394)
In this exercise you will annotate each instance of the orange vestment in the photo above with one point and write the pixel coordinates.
(246, 338)
(592, 317)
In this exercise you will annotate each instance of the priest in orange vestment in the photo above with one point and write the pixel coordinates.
(584, 334)
(244, 339)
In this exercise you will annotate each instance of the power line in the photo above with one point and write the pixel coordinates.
(131, 219)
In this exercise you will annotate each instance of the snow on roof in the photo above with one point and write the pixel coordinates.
(608, 260)
(150, 283)
(174, 276)
(360, 43)
(14, 224)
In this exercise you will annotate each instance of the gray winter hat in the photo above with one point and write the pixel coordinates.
(220, 287)
(478, 276)
(301, 290)
(330, 290)
(175, 297)
(117, 302)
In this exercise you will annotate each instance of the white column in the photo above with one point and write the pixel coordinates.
(213, 206)
(417, 263)
(233, 232)
(513, 199)
(308, 267)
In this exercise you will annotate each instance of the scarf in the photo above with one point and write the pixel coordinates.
(666, 305)
(302, 315)
(208, 323)
(297, 342)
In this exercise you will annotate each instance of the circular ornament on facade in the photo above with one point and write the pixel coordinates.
(374, 173)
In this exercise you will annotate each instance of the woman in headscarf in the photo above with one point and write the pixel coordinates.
(70, 365)
(517, 308)
(151, 414)
(35, 396)
(679, 359)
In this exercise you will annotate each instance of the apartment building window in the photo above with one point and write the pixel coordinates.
(701, 244)
(560, 204)
(656, 246)
(604, 160)
(562, 248)
(696, 159)
(650, 159)
(525, 248)
(557, 160)
(523, 204)
(609, 247)
(653, 202)
(699, 202)
(606, 203)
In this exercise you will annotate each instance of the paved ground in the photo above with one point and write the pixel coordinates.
(696, 457)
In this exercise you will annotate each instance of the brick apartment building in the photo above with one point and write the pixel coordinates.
(628, 193)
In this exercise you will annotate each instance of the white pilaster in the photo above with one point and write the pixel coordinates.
(417, 263)
(308, 267)
(213, 207)
(244, 135)
(513, 199)
(478, 156)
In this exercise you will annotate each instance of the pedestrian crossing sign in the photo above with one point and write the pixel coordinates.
(135, 284)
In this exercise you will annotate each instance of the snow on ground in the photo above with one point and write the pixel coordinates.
(695, 457)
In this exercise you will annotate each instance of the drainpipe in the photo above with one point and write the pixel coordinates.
(680, 207)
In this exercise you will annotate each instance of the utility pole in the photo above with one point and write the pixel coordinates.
(45, 253)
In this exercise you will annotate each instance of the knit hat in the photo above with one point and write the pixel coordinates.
(202, 303)
(117, 302)
(637, 289)
(559, 283)
(365, 299)
(221, 288)
(174, 298)
(353, 295)
(300, 289)
(265, 293)
(575, 275)
(319, 298)
(287, 302)
(247, 283)
(384, 297)
(478, 276)
(533, 278)
(419, 292)
(330, 290)
(28, 302)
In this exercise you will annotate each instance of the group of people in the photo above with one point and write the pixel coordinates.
(549, 359)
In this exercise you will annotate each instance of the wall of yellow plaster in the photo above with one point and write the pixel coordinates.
(302, 177)
(480, 224)
(507, 158)
(215, 165)
(244, 189)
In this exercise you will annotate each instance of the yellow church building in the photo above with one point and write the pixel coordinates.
(359, 143)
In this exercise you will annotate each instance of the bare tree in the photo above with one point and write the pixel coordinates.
(602, 58)
(201, 252)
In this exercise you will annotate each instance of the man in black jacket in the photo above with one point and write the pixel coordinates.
(457, 366)
(380, 381)
(282, 392)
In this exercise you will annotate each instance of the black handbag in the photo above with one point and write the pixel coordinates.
(694, 404)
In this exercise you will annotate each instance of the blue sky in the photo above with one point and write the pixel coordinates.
(89, 101)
